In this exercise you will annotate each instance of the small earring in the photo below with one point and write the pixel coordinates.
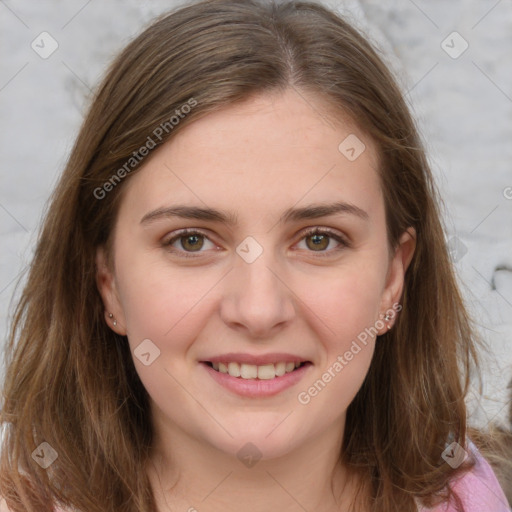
(110, 315)
(387, 318)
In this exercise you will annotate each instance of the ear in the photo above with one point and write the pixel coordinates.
(396, 276)
(106, 283)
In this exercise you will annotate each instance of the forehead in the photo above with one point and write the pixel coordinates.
(274, 151)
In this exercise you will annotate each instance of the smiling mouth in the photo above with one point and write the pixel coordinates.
(256, 372)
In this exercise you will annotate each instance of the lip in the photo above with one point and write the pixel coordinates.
(258, 360)
(256, 388)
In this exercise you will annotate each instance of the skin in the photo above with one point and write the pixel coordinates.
(255, 159)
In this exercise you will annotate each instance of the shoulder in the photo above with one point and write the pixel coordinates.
(478, 488)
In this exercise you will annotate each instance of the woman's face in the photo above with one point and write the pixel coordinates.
(250, 286)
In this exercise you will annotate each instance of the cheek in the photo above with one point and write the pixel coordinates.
(345, 308)
(168, 307)
(162, 303)
(349, 309)
(348, 303)
(351, 315)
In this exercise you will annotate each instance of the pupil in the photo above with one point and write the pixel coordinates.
(192, 242)
(319, 241)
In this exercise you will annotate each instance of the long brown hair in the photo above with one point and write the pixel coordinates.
(71, 381)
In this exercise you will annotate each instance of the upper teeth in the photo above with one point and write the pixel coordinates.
(252, 371)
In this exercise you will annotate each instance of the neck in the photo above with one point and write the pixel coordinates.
(188, 475)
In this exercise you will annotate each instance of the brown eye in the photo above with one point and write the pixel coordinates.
(187, 242)
(323, 241)
(192, 242)
(317, 242)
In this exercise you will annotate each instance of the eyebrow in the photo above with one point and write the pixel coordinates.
(230, 218)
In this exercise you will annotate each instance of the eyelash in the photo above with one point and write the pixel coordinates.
(309, 232)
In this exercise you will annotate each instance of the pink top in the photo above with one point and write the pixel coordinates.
(478, 489)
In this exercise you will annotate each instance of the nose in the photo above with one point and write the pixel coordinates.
(257, 299)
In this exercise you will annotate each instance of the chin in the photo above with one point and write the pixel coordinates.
(256, 445)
